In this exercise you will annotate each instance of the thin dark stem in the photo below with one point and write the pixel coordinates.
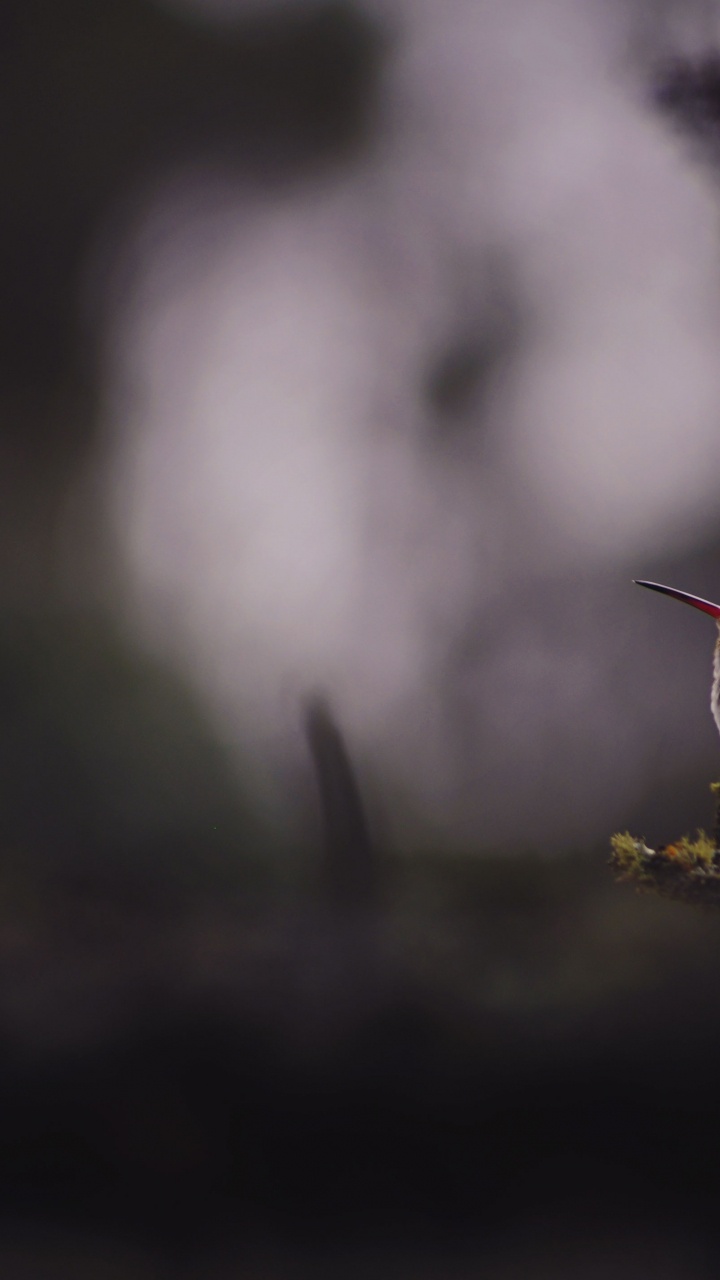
(350, 864)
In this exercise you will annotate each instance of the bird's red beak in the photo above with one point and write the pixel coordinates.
(696, 601)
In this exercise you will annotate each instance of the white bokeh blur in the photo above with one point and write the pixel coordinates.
(290, 511)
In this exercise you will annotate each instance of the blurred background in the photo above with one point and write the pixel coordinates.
(363, 350)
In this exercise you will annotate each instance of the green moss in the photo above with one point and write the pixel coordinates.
(688, 870)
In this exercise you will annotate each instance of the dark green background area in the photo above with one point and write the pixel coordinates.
(100, 98)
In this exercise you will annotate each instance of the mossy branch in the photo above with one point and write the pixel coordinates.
(688, 870)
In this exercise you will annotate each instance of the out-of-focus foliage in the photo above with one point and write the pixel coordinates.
(211, 1066)
(106, 764)
(104, 99)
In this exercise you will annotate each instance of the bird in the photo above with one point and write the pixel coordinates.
(706, 606)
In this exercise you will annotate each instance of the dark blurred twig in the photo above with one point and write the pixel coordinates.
(349, 860)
